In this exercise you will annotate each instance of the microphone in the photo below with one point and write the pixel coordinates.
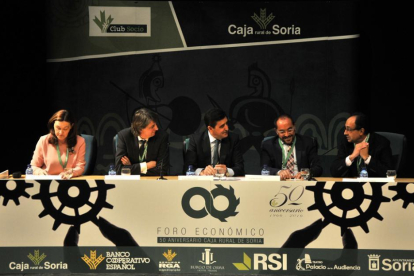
(162, 161)
(311, 178)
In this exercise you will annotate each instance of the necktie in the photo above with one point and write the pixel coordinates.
(291, 161)
(215, 152)
(141, 149)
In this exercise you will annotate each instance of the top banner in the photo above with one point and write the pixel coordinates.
(84, 31)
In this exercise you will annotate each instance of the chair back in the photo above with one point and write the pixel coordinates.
(90, 153)
(267, 138)
(398, 144)
(115, 144)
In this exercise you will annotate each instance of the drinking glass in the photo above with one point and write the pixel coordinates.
(304, 173)
(126, 171)
(392, 174)
(219, 173)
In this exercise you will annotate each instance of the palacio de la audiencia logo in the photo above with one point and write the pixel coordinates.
(263, 26)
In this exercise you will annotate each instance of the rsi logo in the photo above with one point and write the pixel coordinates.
(263, 262)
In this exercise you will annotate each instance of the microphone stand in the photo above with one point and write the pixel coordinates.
(311, 178)
(162, 161)
(161, 172)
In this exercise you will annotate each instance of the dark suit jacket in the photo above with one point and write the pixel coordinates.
(157, 151)
(306, 155)
(381, 158)
(199, 153)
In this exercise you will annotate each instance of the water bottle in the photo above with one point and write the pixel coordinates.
(29, 170)
(265, 170)
(111, 170)
(190, 171)
(363, 173)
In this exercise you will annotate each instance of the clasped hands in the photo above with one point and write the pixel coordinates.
(209, 170)
(125, 161)
(361, 149)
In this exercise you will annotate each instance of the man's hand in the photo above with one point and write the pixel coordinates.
(364, 151)
(221, 168)
(357, 150)
(285, 174)
(209, 170)
(151, 164)
(125, 161)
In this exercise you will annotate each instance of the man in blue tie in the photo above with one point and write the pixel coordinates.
(215, 148)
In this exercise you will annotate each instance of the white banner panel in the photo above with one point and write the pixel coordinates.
(208, 213)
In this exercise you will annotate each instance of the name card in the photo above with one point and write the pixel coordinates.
(262, 177)
(195, 177)
(122, 177)
(42, 177)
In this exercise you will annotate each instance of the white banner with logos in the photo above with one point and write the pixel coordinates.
(207, 213)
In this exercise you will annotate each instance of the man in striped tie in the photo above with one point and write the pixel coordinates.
(288, 152)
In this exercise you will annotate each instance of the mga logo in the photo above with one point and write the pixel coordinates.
(208, 203)
(92, 261)
(261, 261)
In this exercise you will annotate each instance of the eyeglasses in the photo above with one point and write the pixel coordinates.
(348, 129)
(289, 130)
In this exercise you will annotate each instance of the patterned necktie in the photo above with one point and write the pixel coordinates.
(215, 152)
(141, 149)
(291, 162)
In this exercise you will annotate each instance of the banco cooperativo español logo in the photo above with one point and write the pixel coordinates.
(92, 261)
(36, 258)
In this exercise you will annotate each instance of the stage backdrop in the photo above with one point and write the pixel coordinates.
(254, 60)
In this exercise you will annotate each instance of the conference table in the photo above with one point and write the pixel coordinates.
(237, 226)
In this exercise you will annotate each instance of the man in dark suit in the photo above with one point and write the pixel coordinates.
(289, 152)
(361, 148)
(216, 148)
(142, 147)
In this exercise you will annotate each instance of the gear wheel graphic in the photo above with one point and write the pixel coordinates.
(233, 203)
(74, 203)
(346, 205)
(14, 194)
(402, 193)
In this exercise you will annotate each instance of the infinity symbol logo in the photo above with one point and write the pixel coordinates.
(209, 206)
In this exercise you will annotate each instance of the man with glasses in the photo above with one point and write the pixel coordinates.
(361, 149)
(289, 152)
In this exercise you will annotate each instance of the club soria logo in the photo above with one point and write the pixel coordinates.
(104, 23)
(36, 258)
(92, 261)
